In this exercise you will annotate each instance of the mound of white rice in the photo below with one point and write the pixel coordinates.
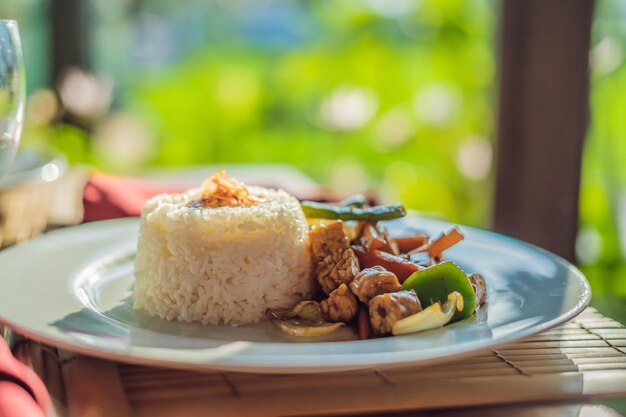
(221, 265)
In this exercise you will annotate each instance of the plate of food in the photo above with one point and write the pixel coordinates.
(235, 278)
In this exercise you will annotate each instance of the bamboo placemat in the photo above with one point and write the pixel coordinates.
(581, 359)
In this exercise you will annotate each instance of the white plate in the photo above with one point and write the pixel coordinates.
(71, 288)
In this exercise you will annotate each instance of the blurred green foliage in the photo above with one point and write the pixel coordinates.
(31, 16)
(361, 95)
(244, 100)
(358, 95)
(602, 240)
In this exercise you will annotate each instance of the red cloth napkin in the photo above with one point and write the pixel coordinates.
(22, 394)
(110, 197)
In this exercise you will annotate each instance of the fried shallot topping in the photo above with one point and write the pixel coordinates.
(220, 191)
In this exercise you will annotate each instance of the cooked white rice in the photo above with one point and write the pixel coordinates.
(221, 265)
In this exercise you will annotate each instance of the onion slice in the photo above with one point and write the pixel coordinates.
(304, 320)
(434, 316)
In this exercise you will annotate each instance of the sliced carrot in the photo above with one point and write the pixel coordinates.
(361, 254)
(376, 243)
(444, 241)
(408, 243)
(372, 238)
(364, 326)
(401, 267)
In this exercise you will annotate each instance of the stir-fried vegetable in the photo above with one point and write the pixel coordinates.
(364, 326)
(297, 328)
(378, 283)
(442, 242)
(434, 316)
(306, 310)
(373, 238)
(401, 267)
(313, 209)
(409, 243)
(305, 319)
(480, 288)
(433, 284)
(356, 200)
(386, 309)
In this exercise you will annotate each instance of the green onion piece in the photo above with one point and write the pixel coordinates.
(316, 210)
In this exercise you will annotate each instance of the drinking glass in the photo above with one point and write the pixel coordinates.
(12, 92)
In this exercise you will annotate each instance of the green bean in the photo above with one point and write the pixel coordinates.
(316, 210)
(356, 200)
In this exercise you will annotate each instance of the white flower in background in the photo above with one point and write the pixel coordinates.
(473, 158)
(606, 56)
(588, 245)
(124, 141)
(85, 94)
(348, 108)
(395, 127)
(437, 104)
(395, 8)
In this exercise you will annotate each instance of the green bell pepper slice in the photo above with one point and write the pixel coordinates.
(433, 284)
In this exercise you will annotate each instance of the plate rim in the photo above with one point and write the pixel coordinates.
(144, 355)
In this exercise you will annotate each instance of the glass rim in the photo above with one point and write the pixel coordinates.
(10, 21)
